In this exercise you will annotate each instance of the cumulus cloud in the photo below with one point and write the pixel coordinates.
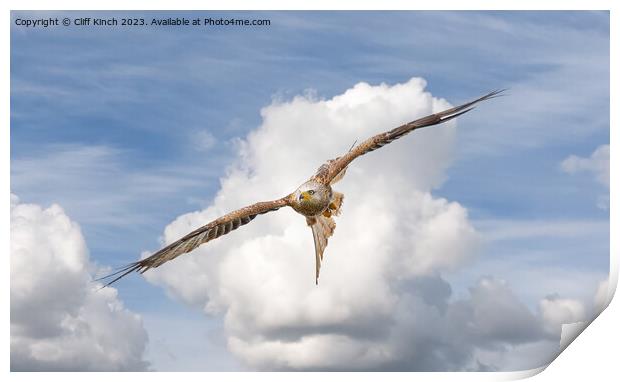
(59, 320)
(381, 303)
(556, 311)
(597, 164)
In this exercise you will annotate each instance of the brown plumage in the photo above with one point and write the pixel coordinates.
(314, 199)
(339, 164)
(218, 227)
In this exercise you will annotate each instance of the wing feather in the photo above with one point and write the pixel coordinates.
(333, 168)
(218, 227)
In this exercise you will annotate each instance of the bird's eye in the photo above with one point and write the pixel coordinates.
(311, 192)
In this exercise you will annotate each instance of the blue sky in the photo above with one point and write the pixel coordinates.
(128, 128)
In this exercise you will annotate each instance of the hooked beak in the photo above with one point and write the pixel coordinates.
(303, 196)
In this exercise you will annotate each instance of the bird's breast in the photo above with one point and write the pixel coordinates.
(311, 207)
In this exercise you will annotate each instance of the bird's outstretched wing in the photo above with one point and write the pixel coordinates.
(323, 227)
(213, 230)
(334, 168)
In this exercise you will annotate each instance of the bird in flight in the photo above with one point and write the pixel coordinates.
(315, 199)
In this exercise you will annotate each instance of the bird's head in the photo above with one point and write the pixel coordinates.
(311, 196)
(307, 192)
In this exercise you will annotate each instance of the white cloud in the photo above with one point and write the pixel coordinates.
(60, 321)
(597, 164)
(380, 303)
(556, 311)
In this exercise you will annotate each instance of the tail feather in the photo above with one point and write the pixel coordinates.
(323, 228)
